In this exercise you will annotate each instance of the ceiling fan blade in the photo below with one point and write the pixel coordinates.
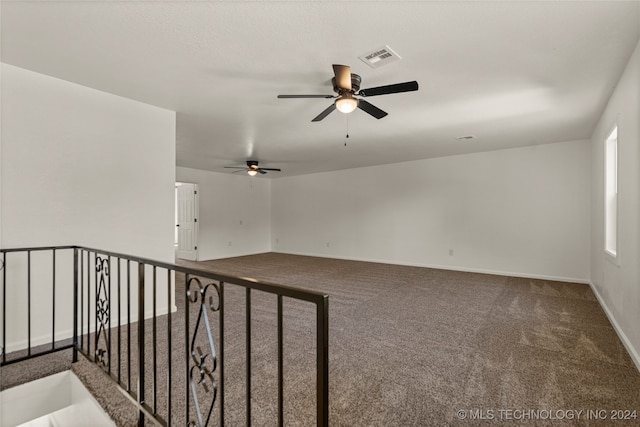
(371, 109)
(241, 170)
(325, 113)
(306, 96)
(262, 171)
(235, 167)
(271, 169)
(386, 90)
(343, 76)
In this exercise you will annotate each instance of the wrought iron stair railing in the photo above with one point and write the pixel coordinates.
(156, 329)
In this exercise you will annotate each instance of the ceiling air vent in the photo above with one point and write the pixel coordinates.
(380, 57)
(466, 137)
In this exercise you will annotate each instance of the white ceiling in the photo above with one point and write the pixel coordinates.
(511, 73)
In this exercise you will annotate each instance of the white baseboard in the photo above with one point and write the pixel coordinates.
(623, 337)
(38, 340)
(68, 333)
(232, 255)
(448, 267)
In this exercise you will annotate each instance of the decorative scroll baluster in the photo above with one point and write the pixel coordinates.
(203, 365)
(102, 350)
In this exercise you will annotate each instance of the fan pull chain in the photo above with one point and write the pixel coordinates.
(347, 136)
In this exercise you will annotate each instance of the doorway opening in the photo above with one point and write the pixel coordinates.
(186, 219)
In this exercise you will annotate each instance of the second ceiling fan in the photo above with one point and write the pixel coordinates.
(347, 86)
(252, 168)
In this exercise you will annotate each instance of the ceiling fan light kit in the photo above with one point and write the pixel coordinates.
(347, 86)
(346, 103)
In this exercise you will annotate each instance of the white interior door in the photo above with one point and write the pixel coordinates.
(187, 221)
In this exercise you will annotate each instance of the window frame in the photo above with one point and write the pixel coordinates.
(612, 255)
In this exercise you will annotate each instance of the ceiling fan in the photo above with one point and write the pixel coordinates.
(347, 85)
(252, 168)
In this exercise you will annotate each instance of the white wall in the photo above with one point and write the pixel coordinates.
(84, 167)
(80, 166)
(521, 211)
(618, 286)
(235, 213)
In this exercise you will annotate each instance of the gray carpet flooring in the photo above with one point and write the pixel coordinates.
(408, 347)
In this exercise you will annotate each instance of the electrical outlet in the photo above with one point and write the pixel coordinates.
(240, 222)
(327, 244)
(450, 252)
(277, 240)
(229, 243)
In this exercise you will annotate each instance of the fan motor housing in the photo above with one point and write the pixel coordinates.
(355, 84)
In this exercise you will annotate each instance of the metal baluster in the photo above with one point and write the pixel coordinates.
(28, 303)
(248, 336)
(119, 316)
(88, 303)
(128, 325)
(75, 305)
(154, 344)
(141, 342)
(4, 307)
(169, 307)
(280, 371)
(187, 355)
(221, 353)
(53, 310)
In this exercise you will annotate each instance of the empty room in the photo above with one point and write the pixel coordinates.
(367, 213)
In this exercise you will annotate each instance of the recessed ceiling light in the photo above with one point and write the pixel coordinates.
(466, 137)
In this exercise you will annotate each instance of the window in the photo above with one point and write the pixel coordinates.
(611, 193)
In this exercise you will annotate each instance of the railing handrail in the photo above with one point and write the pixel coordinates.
(287, 291)
(103, 301)
(38, 248)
